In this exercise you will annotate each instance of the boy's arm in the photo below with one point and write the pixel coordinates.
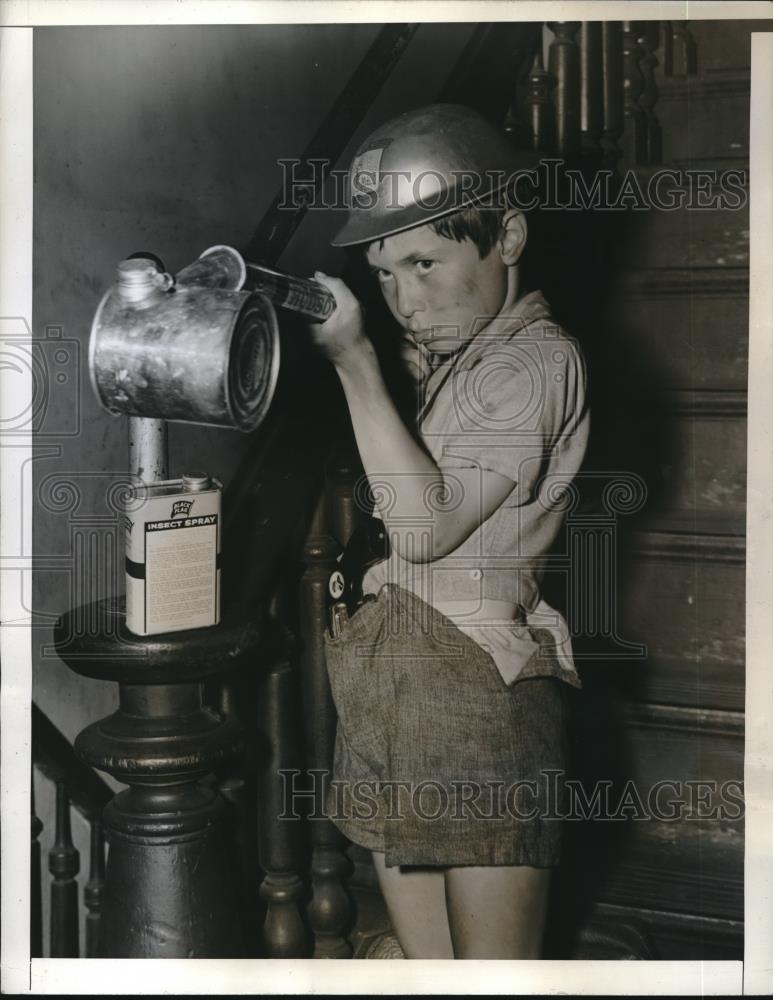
(411, 492)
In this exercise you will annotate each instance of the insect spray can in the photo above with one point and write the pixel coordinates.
(173, 555)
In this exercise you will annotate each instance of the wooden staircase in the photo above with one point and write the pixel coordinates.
(659, 300)
(686, 292)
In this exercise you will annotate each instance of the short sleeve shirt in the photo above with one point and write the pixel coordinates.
(512, 400)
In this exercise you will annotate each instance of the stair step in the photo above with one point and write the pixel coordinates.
(681, 847)
(703, 465)
(689, 446)
(692, 325)
(682, 936)
(727, 82)
(719, 163)
(683, 598)
(668, 282)
(682, 564)
(708, 883)
(693, 237)
(688, 683)
(667, 546)
(691, 527)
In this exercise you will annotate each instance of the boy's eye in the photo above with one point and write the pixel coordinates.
(381, 274)
(423, 266)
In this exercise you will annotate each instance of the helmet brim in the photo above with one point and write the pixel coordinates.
(365, 225)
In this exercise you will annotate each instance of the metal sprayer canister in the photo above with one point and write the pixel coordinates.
(197, 348)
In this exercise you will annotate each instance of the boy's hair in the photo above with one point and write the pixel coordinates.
(481, 226)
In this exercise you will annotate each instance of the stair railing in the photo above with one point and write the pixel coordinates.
(596, 100)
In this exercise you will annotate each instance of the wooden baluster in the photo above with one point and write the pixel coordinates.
(518, 122)
(591, 91)
(345, 513)
(667, 36)
(284, 933)
(649, 40)
(330, 910)
(564, 66)
(92, 892)
(539, 107)
(64, 865)
(36, 900)
(612, 66)
(635, 130)
(685, 55)
(515, 125)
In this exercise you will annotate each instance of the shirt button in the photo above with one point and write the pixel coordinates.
(475, 574)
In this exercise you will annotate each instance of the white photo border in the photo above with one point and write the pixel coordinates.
(139, 976)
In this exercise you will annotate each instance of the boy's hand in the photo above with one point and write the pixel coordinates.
(415, 357)
(342, 335)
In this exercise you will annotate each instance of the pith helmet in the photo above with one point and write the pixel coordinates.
(425, 164)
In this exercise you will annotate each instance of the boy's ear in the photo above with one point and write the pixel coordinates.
(512, 237)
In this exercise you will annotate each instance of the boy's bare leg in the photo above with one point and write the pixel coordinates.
(497, 912)
(416, 902)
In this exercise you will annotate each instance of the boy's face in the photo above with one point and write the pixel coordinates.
(437, 289)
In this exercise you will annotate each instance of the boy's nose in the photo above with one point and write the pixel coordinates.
(407, 301)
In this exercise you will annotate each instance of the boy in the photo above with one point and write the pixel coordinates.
(450, 681)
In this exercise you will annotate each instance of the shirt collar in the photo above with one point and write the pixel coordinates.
(509, 321)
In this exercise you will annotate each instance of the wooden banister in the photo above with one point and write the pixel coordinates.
(53, 755)
(64, 865)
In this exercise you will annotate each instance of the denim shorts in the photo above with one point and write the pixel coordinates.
(437, 760)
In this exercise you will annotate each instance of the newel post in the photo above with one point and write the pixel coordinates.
(168, 887)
